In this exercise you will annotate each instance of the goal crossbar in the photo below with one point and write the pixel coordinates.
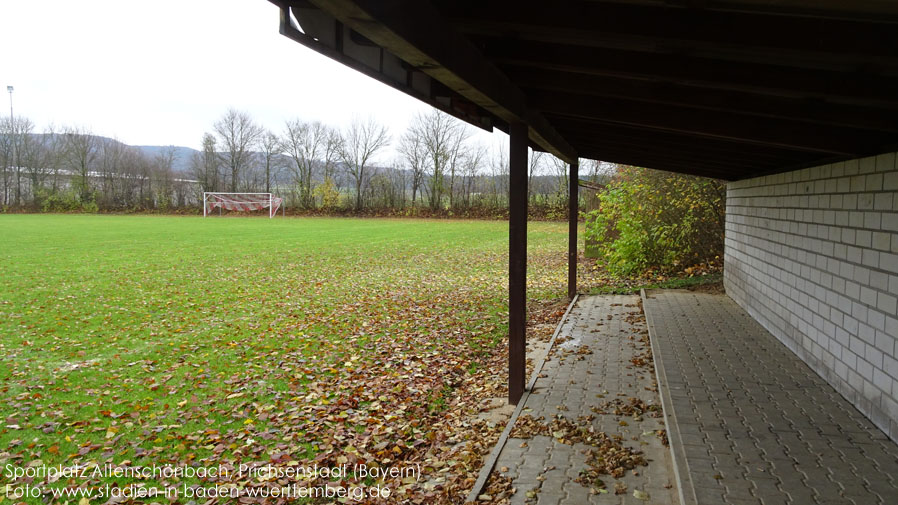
(243, 202)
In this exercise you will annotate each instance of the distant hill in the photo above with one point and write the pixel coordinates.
(182, 155)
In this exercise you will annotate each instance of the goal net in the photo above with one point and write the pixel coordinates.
(241, 202)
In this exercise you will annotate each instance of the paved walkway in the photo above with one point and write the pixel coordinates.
(752, 424)
(598, 384)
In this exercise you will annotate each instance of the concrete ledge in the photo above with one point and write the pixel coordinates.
(677, 453)
(490, 462)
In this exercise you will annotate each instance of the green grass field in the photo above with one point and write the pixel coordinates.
(144, 340)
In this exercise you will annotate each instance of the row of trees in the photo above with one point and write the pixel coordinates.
(638, 219)
(435, 163)
(71, 169)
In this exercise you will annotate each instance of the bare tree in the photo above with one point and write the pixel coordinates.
(270, 148)
(238, 134)
(166, 157)
(81, 148)
(24, 134)
(53, 156)
(36, 161)
(17, 136)
(471, 163)
(162, 172)
(7, 146)
(332, 147)
(110, 160)
(361, 142)
(414, 152)
(143, 168)
(442, 137)
(499, 173)
(596, 171)
(559, 169)
(455, 155)
(205, 165)
(398, 184)
(307, 143)
(133, 187)
(533, 168)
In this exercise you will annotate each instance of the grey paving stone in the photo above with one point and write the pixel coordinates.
(761, 412)
(709, 494)
(574, 383)
(742, 501)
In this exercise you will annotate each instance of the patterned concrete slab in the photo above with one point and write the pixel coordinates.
(749, 422)
(598, 377)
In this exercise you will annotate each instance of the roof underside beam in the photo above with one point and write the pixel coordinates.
(318, 30)
(854, 86)
(737, 127)
(417, 34)
(699, 31)
(720, 100)
(722, 88)
(855, 10)
(657, 140)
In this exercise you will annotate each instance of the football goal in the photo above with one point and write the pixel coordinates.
(241, 202)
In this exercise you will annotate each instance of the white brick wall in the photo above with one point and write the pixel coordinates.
(813, 256)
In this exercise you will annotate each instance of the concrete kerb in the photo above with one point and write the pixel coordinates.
(677, 453)
(490, 462)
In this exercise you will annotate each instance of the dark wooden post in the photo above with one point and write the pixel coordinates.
(573, 217)
(517, 261)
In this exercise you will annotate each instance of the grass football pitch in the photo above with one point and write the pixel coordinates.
(140, 340)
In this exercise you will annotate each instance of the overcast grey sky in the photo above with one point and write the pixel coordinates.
(161, 72)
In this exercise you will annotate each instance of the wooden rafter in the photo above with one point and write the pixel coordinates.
(415, 32)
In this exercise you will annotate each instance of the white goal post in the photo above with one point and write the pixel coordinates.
(243, 202)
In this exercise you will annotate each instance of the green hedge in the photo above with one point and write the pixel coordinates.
(649, 219)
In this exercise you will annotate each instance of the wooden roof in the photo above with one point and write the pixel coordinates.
(721, 88)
